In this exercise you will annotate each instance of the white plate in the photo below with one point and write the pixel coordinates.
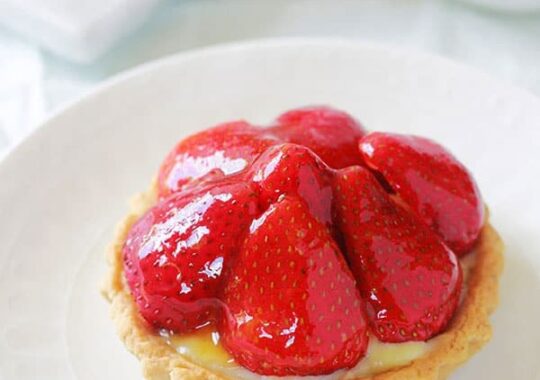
(63, 189)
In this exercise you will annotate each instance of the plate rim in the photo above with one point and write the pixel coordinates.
(464, 69)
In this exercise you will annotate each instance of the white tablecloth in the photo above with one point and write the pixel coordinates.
(34, 83)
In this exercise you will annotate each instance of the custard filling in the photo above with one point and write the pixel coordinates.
(204, 349)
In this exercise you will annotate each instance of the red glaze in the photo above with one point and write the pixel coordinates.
(410, 280)
(432, 182)
(292, 304)
(333, 135)
(294, 169)
(223, 150)
(175, 255)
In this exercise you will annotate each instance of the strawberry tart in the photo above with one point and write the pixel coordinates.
(306, 249)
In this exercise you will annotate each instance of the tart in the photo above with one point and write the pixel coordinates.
(307, 248)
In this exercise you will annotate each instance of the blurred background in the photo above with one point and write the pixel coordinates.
(54, 51)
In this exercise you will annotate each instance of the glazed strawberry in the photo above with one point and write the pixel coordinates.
(410, 280)
(292, 304)
(432, 182)
(296, 170)
(223, 150)
(333, 135)
(175, 255)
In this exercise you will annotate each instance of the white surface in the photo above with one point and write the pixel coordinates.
(78, 30)
(503, 44)
(66, 186)
(508, 5)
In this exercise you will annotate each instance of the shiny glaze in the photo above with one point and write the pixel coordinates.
(290, 169)
(230, 148)
(432, 182)
(213, 153)
(332, 134)
(410, 280)
(175, 255)
(292, 304)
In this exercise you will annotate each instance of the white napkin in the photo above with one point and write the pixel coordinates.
(79, 30)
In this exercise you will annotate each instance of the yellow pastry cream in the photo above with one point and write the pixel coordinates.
(203, 348)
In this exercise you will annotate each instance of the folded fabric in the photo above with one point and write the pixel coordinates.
(79, 30)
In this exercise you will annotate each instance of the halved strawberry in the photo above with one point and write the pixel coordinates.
(292, 307)
(333, 135)
(175, 255)
(432, 182)
(295, 170)
(222, 150)
(409, 279)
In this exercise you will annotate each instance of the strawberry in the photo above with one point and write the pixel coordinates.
(216, 152)
(175, 255)
(294, 169)
(292, 307)
(333, 135)
(432, 182)
(410, 280)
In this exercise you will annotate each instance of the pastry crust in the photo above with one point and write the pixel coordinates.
(468, 331)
